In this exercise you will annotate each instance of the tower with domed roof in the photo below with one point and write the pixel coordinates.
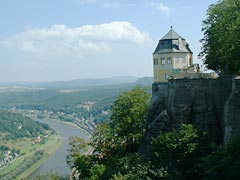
(171, 55)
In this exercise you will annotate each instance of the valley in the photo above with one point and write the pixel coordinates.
(24, 144)
(64, 111)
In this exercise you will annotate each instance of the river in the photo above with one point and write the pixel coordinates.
(57, 161)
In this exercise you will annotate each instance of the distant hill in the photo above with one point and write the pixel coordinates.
(94, 82)
(17, 126)
(145, 81)
(73, 83)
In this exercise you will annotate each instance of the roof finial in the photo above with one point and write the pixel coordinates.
(171, 27)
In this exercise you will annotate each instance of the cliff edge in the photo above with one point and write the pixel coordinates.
(212, 105)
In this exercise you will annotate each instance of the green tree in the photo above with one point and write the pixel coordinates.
(50, 176)
(176, 154)
(112, 140)
(223, 163)
(133, 166)
(128, 119)
(124, 131)
(77, 157)
(220, 44)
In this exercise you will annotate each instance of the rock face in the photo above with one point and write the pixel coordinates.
(212, 105)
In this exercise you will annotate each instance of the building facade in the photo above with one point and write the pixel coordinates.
(171, 56)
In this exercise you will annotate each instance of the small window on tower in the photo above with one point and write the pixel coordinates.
(163, 61)
(156, 61)
(169, 60)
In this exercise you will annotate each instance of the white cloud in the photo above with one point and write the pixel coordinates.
(164, 9)
(63, 53)
(62, 40)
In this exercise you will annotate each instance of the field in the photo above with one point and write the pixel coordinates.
(28, 149)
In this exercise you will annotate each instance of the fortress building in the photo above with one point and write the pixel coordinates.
(171, 56)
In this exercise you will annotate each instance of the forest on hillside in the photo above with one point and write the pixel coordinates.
(22, 143)
(15, 126)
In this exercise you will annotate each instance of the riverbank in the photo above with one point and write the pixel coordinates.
(71, 124)
(53, 144)
(57, 162)
(23, 166)
(52, 155)
(34, 117)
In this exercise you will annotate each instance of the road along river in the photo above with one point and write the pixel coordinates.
(56, 163)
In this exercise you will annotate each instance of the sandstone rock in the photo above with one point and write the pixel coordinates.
(211, 105)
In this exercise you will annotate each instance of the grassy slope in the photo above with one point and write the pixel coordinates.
(50, 147)
(26, 146)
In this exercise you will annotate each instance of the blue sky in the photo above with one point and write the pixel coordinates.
(49, 40)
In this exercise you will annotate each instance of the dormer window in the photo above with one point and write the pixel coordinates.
(174, 46)
(165, 44)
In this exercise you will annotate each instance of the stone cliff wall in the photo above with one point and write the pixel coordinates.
(209, 104)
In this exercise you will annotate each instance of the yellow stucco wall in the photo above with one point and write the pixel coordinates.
(178, 61)
(159, 75)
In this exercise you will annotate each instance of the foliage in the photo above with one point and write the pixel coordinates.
(112, 140)
(18, 126)
(221, 37)
(123, 132)
(3, 149)
(223, 163)
(76, 157)
(97, 171)
(49, 176)
(176, 154)
(183, 154)
(172, 155)
(128, 119)
(24, 166)
(133, 166)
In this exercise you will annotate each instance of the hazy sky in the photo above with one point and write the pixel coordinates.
(48, 40)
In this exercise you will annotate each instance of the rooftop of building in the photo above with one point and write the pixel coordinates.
(172, 42)
(171, 35)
